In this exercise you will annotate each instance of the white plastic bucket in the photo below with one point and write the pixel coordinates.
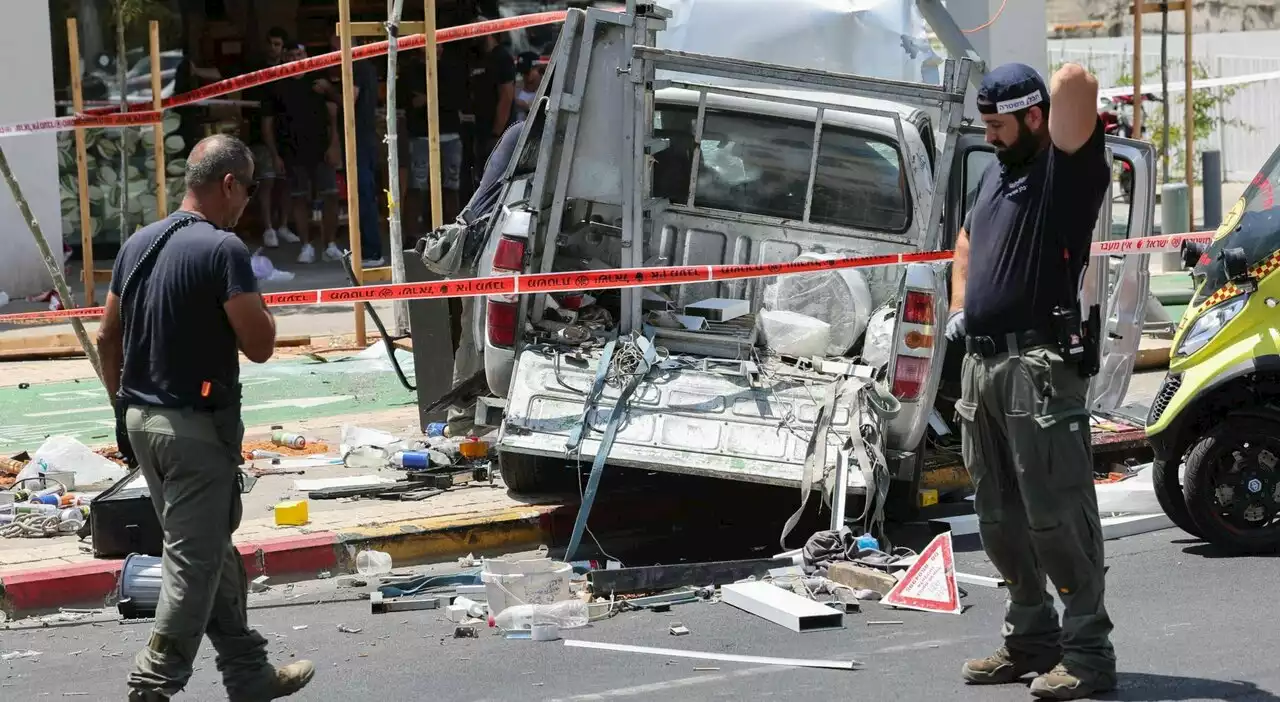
(534, 581)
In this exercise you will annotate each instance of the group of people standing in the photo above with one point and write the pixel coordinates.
(296, 136)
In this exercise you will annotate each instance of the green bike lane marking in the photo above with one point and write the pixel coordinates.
(274, 393)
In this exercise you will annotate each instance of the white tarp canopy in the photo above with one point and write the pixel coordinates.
(874, 38)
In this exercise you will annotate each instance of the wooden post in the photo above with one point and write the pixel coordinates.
(82, 167)
(1189, 127)
(162, 189)
(352, 169)
(433, 112)
(1137, 71)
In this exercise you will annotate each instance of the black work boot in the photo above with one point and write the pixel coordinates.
(1062, 683)
(1002, 668)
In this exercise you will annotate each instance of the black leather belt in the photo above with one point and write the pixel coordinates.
(988, 346)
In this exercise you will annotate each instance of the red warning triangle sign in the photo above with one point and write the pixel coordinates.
(930, 582)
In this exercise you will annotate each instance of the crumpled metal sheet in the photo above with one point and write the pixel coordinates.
(874, 38)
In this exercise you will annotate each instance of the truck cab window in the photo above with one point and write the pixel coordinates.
(760, 165)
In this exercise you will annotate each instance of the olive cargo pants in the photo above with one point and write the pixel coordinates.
(191, 461)
(1026, 443)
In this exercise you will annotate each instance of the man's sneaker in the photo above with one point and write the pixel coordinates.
(373, 262)
(291, 678)
(308, 254)
(287, 236)
(136, 695)
(1061, 684)
(332, 252)
(269, 239)
(1000, 668)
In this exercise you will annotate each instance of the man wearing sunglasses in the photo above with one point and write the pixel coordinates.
(183, 305)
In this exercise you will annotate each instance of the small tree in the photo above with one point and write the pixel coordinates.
(129, 15)
(1207, 114)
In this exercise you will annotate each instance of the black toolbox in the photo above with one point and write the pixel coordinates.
(122, 520)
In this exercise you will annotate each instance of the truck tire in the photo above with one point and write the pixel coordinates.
(1169, 493)
(524, 474)
(1229, 460)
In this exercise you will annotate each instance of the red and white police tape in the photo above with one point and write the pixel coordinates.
(140, 113)
(62, 124)
(610, 279)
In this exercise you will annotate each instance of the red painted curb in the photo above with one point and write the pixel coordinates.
(84, 583)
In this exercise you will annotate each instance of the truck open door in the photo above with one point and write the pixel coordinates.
(1119, 283)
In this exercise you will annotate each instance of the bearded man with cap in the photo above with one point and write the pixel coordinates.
(1019, 261)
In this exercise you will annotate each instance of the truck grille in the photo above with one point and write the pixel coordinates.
(1168, 389)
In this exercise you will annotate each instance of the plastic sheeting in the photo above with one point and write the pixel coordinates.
(839, 298)
(874, 38)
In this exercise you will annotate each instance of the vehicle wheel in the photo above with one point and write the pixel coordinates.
(1168, 489)
(525, 474)
(1232, 485)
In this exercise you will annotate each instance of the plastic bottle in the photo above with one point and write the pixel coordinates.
(569, 614)
(36, 508)
(412, 460)
(868, 542)
(365, 458)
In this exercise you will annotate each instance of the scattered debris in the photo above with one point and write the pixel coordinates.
(886, 622)
(16, 655)
(300, 627)
(380, 605)
(259, 584)
(349, 629)
(465, 632)
(624, 581)
(678, 629)
(861, 578)
(703, 670)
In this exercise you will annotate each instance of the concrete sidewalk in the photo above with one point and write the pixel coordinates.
(39, 574)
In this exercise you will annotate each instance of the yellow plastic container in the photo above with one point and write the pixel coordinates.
(928, 497)
(474, 449)
(291, 513)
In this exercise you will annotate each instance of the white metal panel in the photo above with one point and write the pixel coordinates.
(26, 47)
(782, 607)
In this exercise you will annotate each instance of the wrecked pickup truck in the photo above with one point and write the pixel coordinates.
(621, 165)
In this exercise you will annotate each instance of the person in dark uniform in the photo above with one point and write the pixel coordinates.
(183, 305)
(1016, 276)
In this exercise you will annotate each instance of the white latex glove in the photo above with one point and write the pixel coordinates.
(955, 326)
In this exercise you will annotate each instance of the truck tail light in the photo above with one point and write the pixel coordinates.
(502, 311)
(917, 308)
(509, 257)
(910, 374)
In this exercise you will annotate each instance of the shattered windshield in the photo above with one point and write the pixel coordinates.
(1253, 225)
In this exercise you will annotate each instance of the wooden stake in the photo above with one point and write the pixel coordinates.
(1137, 72)
(82, 168)
(162, 189)
(1189, 127)
(54, 266)
(353, 178)
(433, 113)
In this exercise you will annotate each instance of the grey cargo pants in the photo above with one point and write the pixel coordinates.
(1026, 442)
(191, 462)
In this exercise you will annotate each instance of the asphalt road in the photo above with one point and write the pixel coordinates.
(1190, 626)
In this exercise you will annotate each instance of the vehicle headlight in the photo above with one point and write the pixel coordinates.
(1208, 324)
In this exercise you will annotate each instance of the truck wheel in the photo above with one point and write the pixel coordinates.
(1232, 485)
(1168, 489)
(525, 474)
